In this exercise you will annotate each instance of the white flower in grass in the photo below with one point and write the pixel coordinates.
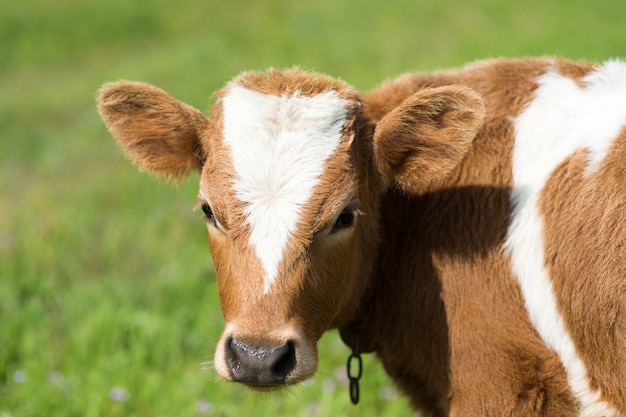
(314, 409)
(204, 407)
(341, 375)
(118, 394)
(56, 378)
(387, 393)
(19, 376)
(328, 385)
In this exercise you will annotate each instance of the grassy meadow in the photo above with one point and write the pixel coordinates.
(108, 305)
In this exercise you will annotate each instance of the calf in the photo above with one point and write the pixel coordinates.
(467, 226)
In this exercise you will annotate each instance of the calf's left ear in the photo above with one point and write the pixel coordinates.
(422, 140)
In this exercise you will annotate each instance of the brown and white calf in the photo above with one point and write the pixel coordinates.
(467, 226)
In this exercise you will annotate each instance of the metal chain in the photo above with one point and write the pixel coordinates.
(354, 377)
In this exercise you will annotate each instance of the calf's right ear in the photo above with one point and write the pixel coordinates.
(159, 133)
(422, 140)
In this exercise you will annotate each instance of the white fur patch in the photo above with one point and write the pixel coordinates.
(562, 118)
(279, 148)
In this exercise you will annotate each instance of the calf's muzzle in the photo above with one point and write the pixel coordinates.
(258, 365)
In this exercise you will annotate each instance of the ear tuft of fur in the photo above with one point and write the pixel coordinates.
(158, 133)
(422, 140)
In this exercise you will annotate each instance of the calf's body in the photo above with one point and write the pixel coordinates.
(464, 225)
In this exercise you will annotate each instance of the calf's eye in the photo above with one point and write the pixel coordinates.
(208, 212)
(345, 220)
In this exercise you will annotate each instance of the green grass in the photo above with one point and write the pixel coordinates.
(106, 283)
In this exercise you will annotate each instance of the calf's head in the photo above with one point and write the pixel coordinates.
(292, 170)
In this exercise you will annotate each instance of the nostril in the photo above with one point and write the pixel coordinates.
(287, 362)
(232, 355)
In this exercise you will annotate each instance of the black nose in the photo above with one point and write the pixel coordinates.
(260, 365)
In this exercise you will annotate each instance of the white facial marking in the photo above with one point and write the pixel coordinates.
(279, 148)
(562, 118)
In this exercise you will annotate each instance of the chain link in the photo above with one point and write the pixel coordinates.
(354, 377)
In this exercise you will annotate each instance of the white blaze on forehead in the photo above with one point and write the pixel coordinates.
(562, 118)
(279, 145)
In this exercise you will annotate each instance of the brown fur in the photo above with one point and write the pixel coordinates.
(464, 284)
(583, 257)
(422, 278)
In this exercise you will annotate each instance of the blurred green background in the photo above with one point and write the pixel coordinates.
(108, 304)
